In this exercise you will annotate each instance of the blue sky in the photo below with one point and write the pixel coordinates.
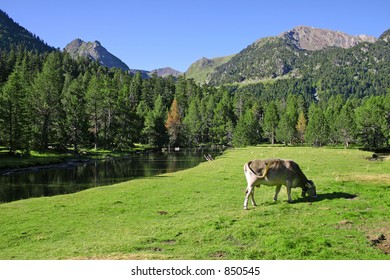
(153, 34)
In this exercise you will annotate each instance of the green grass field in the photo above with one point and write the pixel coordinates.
(198, 214)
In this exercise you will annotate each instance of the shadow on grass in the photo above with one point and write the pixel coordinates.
(326, 196)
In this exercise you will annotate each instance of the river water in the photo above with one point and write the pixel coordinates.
(55, 181)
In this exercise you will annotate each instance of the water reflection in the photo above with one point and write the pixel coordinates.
(56, 181)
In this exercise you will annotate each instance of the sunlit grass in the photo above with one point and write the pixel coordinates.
(198, 214)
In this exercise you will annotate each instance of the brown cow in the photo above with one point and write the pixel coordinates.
(276, 172)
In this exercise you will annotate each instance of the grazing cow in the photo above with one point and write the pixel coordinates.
(276, 172)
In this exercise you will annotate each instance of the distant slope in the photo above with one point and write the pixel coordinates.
(95, 51)
(277, 56)
(201, 69)
(310, 38)
(164, 72)
(12, 34)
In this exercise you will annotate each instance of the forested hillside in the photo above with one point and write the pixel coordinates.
(54, 101)
(12, 35)
(336, 96)
(281, 57)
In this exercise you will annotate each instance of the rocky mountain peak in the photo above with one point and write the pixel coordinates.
(310, 38)
(167, 71)
(385, 36)
(95, 51)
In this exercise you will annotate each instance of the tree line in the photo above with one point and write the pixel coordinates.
(52, 101)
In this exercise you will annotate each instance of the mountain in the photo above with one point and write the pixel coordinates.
(144, 73)
(95, 51)
(282, 55)
(12, 34)
(164, 72)
(200, 69)
(310, 38)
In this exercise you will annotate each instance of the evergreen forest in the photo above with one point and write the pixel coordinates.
(49, 100)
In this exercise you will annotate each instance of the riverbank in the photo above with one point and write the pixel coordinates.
(77, 175)
(198, 214)
(40, 160)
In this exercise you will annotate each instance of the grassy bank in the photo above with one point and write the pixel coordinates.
(198, 214)
(48, 157)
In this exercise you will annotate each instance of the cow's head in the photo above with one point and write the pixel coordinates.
(309, 189)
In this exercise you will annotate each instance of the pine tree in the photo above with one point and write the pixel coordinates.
(94, 108)
(127, 123)
(46, 100)
(154, 126)
(345, 124)
(372, 123)
(285, 130)
(317, 129)
(221, 129)
(271, 120)
(193, 122)
(332, 110)
(15, 110)
(247, 130)
(75, 121)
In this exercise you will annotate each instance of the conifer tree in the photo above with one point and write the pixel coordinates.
(193, 122)
(94, 108)
(271, 120)
(345, 124)
(154, 126)
(46, 101)
(317, 129)
(247, 130)
(372, 123)
(15, 110)
(221, 129)
(75, 121)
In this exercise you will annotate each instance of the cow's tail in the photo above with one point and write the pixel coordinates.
(247, 167)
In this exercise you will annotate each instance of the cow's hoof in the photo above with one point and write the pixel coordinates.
(246, 208)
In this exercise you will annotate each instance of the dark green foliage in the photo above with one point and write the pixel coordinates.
(50, 100)
(317, 133)
(271, 120)
(12, 34)
(154, 127)
(268, 58)
(14, 109)
(247, 130)
(46, 101)
(373, 123)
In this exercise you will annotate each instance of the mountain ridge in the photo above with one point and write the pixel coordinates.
(277, 56)
(95, 51)
(311, 38)
(13, 34)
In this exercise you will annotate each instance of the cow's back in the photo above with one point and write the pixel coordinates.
(278, 172)
(297, 176)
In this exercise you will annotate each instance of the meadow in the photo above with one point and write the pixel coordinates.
(198, 214)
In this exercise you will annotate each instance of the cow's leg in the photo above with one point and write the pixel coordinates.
(289, 193)
(248, 193)
(277, 190)
(253, 197)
